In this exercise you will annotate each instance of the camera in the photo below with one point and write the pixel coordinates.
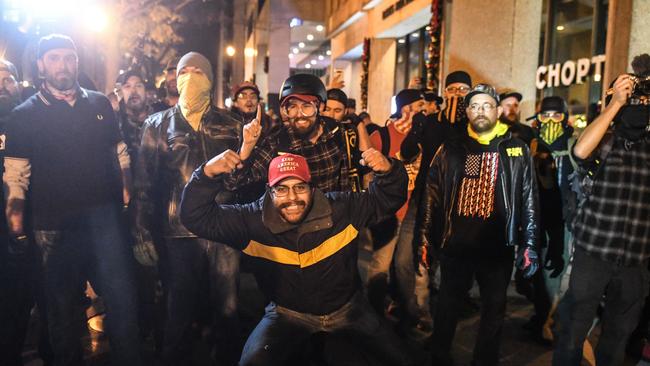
(641, 86)
(640, 90)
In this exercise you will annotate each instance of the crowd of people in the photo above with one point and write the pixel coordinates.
(126, 194)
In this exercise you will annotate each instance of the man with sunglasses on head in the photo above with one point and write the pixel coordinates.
(611, 229)
(480, 202)
(302, 243)
(306, 132)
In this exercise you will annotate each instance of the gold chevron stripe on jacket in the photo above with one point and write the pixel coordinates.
(285, 256)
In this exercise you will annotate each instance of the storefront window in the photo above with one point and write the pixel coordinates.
(401, 63)
(574, 30)
(412, 52)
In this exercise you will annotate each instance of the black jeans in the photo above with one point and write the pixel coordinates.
(95, 241)
(282, 331)
(457, 275)
(18, 268)
(625, 290)
(190, 260)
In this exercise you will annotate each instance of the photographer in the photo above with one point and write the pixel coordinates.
(611, 228)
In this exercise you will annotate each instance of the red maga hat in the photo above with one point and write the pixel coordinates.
(288, 166)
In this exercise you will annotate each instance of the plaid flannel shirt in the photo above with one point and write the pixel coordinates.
(614, 222)
(326, 158)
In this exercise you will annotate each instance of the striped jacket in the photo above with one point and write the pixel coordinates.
(309, 267)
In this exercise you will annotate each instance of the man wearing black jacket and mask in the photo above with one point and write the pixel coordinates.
(457, 85)
(611, 230)
(174, 143)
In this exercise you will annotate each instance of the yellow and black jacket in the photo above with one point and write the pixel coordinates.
(309, 267)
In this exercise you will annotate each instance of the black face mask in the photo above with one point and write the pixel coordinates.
(455, 110)
(632, 122)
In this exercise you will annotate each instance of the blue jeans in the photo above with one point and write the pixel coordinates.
(625, 290)
(190, 260)
(408, 288)
(94, 243)
(282, 330)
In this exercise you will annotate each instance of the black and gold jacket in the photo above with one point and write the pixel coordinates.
(309, 267)
(518, 186)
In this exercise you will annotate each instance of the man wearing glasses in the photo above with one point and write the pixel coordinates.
(318, 138)
(303, 248)
(245, 101)
(480, 202)
(457, 85)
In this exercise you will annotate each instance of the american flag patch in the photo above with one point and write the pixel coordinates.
(477, 191)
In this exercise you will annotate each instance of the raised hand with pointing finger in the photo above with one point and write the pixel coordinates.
(252, 132)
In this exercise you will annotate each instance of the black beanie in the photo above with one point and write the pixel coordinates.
(54, 41)
(458, 77)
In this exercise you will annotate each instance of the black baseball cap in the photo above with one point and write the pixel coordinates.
(510, 93)
(430, 96)
(405, 97)
(553, 103)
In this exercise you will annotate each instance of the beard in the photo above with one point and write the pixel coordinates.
(7, 102)
(482, 124)
(172, 92)
(306, 131)
(61, 81)
(510, 118)
(135, 103)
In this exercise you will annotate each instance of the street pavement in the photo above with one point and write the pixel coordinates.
(517, 349)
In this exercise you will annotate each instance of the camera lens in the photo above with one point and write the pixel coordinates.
(643, 87)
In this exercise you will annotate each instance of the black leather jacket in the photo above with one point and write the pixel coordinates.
(519, 188)
(169, 152)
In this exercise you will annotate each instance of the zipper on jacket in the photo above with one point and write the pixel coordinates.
(504, 193)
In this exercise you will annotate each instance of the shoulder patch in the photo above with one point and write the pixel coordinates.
(515, 151)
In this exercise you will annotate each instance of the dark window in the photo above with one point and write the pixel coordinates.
(411, 55)
(572, 30)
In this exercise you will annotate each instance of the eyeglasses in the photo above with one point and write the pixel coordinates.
(474, 107)
(281, 191)
(457, 90)
(306, 109)
(248, 96)
(550, 117)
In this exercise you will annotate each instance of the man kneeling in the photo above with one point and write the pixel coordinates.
(303, 245)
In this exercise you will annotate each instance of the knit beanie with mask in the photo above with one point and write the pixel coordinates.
(194, 89)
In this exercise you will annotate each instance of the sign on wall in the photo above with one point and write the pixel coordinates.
(570, 72)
